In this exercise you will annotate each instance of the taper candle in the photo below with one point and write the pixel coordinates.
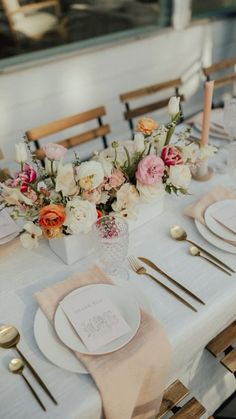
(208, 94)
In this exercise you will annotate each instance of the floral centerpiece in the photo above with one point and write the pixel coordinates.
(66, 198)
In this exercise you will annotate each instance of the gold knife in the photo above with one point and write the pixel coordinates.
(182, 287)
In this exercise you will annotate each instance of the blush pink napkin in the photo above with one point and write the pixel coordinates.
(131, 380)
(197, 209)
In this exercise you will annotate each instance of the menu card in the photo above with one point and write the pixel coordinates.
(94, 317)
(226, 216)
(7, 225)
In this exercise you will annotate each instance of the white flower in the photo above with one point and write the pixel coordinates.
(21, 154)
(65, 180)
(173, 106)
(206, 151)
(139, 142)
(179, 176)
(13, 196)
(190, 153)
(29, 240)
(106, 163)
(50, 166)
(90, 174)
(80, 215)
(150, 193)
(126, 199)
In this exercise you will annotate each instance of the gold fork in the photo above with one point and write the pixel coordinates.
(140, 270)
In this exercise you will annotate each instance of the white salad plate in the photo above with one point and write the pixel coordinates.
(215, 226)
(56, 352)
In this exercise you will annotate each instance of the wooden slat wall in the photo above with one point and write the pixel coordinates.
(62, 124)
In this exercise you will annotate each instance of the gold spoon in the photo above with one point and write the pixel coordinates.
(178, 233)
(195, 251)
(9, 338)
(16, 366)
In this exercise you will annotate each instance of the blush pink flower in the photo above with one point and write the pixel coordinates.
(171, 156)
(150, 170)
(93, 195)
(54, 151)
(117, 178)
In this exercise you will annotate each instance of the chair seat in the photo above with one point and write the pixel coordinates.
(35, 24)
(192, 409)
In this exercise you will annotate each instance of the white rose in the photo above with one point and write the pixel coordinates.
(190, 153)
(173, 106)
(206, 151)
(80, 215)
(21, 154)
(150, 193)
(65, 180)
(13, 196)
(90, 174)
(106, 163)
(126, 199)
(29, 240)
(139, 142)
(180, 176)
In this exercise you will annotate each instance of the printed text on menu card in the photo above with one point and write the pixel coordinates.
(94, 317)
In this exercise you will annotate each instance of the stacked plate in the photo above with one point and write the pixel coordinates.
(59, 341)
(8, 228)
(216, 124)
(216, 232)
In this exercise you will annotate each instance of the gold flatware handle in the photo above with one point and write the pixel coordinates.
(38, 378)
(182, 287)
(215, 264)
(172, 292)
(34, 393)
(211, 256)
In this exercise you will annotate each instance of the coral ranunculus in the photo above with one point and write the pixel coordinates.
(51, 216)
(146, 126)
(171, 156)
(150, 170)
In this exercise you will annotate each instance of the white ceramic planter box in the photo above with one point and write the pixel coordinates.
(72, 248)
(77, 246)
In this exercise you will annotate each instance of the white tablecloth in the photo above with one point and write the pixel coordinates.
(25, 272)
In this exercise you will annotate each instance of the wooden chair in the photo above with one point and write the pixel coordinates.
(173, 395)
(28, 20)
(222, 347)
(221, 74)
(35, 134)
(127, 97)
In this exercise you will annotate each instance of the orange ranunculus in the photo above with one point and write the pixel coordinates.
(51, 216)
(146, 126)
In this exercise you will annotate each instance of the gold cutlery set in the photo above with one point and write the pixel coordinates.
(9, 338)
(177, 233)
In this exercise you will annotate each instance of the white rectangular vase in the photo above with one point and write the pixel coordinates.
(73, 247)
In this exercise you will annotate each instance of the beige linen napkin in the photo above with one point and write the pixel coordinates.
(197, 209)
(131, 380)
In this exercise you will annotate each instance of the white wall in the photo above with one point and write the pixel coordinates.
(70, 85)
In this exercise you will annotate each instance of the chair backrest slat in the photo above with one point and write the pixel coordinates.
(222, 65)
(223, 81)
(78, 139)
(149, 90)
(62, 124)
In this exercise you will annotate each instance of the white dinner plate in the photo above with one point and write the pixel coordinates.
(56, 352)
(213, 239)
(214, 225)
(127, 306)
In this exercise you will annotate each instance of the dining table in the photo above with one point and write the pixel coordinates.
(24, 272)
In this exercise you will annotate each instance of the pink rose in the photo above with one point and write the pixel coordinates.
(171, 156)
(150, 170)
(117, 178)
(54, 151)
